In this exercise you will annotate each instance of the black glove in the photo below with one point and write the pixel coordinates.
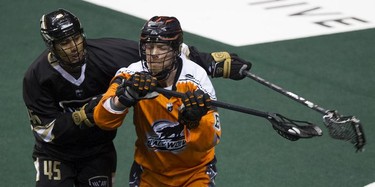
(85, 114)
(228, 66)
(196, 105)
(139, 86)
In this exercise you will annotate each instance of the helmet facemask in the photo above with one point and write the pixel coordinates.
(70, 52)
(160, 44)
(64, 36)
(160, 59)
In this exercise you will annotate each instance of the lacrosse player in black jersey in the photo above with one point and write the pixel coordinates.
(63, 85)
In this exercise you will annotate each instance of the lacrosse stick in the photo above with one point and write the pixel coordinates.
(347, 128)
(287, 128)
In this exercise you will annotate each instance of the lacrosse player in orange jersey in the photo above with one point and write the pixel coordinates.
(176, 137)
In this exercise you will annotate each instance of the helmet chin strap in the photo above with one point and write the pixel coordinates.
(164, 74)
(70, 67)
(67, 64)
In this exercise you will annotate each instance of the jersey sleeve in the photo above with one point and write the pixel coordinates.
(105, 116)
(207, 134)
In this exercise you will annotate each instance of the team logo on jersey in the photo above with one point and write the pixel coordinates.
(99, 181)
(167, 136)
(169, 107)
(79, 93)
(189, 76)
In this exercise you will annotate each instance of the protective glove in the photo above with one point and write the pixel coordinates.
(141, 85)
(228, 65)
(85, 114)
(195, 105)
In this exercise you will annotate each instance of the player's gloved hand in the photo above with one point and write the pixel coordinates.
(141, 85)
(195, 106)
(85, 114)
(228, 65)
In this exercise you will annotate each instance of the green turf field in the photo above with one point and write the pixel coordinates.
(334, 71)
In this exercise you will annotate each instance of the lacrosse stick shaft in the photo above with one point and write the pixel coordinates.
(285, 127)
(218, 104)
(286, 93)
(280, 126)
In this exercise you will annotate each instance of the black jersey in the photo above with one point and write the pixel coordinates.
(51, 95)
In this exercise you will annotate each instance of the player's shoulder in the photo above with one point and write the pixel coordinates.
(132, 68)
(112, 53)
(111, 42)
(195, 74)
(113, 47)
(192, 68)
(40, 66)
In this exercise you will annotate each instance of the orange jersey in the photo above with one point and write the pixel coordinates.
(168, 152)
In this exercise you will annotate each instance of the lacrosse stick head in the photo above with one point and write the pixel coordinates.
(293, 129)
(347, 128)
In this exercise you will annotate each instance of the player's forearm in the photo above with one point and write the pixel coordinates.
(59, 130)
(109, 113)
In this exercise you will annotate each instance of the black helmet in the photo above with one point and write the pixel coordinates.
(161, 29)
(59, 25)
